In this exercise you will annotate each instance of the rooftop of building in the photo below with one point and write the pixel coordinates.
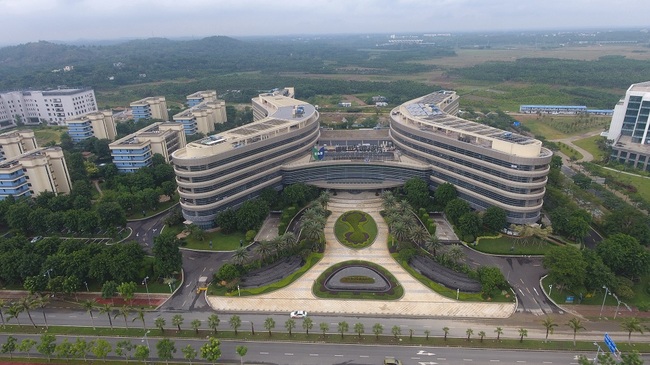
(53, 92)
(37, 153)
(427, 110)
(16, 133)
(202, 94)
(152, 130)
(147, 100)
(641, 86)
(625, 143)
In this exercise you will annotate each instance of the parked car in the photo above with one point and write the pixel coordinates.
(298, 314)
(388, 360)
(36, 239)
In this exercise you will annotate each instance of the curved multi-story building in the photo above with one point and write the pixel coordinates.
(225, 170)
(284, 145)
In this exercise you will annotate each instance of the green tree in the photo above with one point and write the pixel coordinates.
(495, 218)
(108, 310)
(359, 329)
(65, 349)
(444, 193)
(177, 320)
(167, 255)
(241, 351)
(124, 348)
(397, 331)
(481, 334)
(139, 314)
(469, 224)
(141, 353)
(377, 329)
(566, 266)
(213, 322)
(522, 333)
(631, 324)
(127, 290)
(211, 351)
(499, 332)
(235, 323)
(324, 327)
(269, 324)
(289, 324)
(576, 325)
(166, 349)
(160, 324)
(307, 324)
(89, 306)
(101, 348)
(109, 289)
(549, 325)
(455, 209)
(417, 192)
(10, 346)
(491, 279)
(189, 353)
(432, 244)
(14, 311)
(446, 331)
(469, 332)
(47, 346)
(123, 311)
(624, 255)
(195, 324)
(26, 304)
(26, 346)
(81, 348)
(343, 328)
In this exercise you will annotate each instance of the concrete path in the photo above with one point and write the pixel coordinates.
(418, 300)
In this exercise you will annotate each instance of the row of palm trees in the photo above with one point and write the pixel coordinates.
(13, 309)
(265, 250)
(313, 220)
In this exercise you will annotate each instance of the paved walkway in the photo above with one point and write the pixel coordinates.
(418, 300)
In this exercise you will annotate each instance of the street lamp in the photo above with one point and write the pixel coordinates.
(146, 339)
(147, 287)
(170, 288)
(48, 274)
(603, 306)
(619, 304)
(86, 283)
(597, 351)
(550, 289)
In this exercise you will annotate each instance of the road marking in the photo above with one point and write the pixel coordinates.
(522, 281)
(547, 362)
(495, 360)
(182, 305)
(364, 356)
(264, 353)
(313, 354)
(203, 269)
(422, 352)
(441, 358)
(521, 361)
(415, 358)
(72, 316)
(522, 293)
(188, 284)
(288, 354)
(338, 355)
(535, 291)
(468, 360)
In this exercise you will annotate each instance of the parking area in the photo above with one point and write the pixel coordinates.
(444, 232)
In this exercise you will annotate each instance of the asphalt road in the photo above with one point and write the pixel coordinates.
(318, 354)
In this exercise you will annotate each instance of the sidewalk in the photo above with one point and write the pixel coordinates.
(418, 300)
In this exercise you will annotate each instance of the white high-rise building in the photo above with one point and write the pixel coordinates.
(49, 106)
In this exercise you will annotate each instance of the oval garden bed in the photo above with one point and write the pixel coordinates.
(357, 280)
(355, 229)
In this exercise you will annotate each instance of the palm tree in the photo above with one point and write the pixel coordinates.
(576, 325)
(311, 230)
(432, 244)
(324, 327)
(108, 310)
(400, 231)
(446, 331)
(240, 256)
(124, 311)
(427, 333)
(213, 322)
(139, 314)
(522, 333)
(289, 240)
(41, 302)
(89, 305)
(499, 332)
(177, 320)
(2, 308)
(397, 331)
(195, 324)
(359, 329)
(418, 234)
(388, 199)
(481, 334)
(377, 329)
(269, 324)
(14, 311)
(549, 325)
(307, 324)
(469, 333)
(631, 324)
(289, 325)
(455, 253)
(264, 250)
(343, 327)
(160, 324)
(27, 303)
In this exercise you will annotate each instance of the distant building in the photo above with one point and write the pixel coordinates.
(553, 109)
(154, 107)
(16, 143)
(205, 111)
(51, 106)
(39, 170)
(99, 125)
(378, 98)
(628, 130)
(345, 104)
(381, 104)
(136, 150)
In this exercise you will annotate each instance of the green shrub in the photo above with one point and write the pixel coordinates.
(250, 235)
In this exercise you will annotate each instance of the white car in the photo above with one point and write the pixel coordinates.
(36, 239)
(298, 314)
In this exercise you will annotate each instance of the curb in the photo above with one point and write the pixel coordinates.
(174, 293)
(498, 255)
(554, 303)
(154, 215)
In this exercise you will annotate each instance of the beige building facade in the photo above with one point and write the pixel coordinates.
(34, 172)
(136, 150)
(100, 125)
(16, 143)
(154, 107)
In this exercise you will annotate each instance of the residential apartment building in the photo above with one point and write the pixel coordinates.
(154, 107)
(628, 131)
(284, 145)
(39, 170)
(49, 106)
(136, 150)
(205, 111)
(16, 143)
(99, 125)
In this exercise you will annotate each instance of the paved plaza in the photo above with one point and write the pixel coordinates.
(418, 300)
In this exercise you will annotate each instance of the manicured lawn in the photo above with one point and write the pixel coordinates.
(641, 183)
(220, 241)
(506, 245)
(148, 213)
(355, 229)
(312, 260)
(319, 290)
(591, 298)
(589, 144)
(569, 151)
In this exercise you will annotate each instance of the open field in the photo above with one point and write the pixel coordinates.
(589, 144)
(561, 126)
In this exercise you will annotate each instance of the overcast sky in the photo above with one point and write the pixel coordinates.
(33, 20)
